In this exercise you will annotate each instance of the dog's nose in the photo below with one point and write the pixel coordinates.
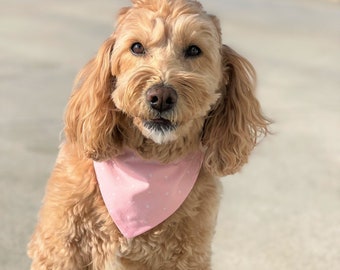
(161, 98)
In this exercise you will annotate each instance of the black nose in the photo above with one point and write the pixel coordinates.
(161, 98)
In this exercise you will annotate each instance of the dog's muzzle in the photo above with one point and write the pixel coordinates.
(161, 99)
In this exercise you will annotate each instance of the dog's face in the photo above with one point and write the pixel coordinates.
(164, 75)
(166, 61)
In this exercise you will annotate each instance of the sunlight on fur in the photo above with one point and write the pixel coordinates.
(164, 86)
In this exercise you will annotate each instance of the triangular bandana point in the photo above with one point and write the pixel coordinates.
(140, 194)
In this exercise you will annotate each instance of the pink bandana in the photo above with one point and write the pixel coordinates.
(140, 194)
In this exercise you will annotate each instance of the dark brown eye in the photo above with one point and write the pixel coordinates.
(137, 48)
(192, 51)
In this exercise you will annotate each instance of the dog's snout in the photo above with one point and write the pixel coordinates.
(161, 98)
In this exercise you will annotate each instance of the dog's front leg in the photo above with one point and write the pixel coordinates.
(54, 245)
(74, 229)
(49, 252)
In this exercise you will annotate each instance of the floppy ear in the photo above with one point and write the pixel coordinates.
(234, 124)
(91, 118)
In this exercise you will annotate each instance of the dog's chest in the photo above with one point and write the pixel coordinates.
(164, 244)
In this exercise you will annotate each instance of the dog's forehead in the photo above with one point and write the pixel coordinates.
(164, 17)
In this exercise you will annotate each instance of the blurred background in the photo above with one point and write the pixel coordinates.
(282, 211)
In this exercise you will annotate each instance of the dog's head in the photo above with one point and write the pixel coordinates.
(167, 64)
(165, 74)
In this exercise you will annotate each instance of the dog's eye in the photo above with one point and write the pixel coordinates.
(137, 48)
(192, 51)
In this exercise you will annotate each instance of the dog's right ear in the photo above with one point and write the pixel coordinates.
(91, 118)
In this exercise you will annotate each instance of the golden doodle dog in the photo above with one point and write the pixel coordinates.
(161, 111)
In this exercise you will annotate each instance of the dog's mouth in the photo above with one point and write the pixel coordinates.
(160, 124)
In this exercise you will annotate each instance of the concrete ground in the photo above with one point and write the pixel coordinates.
(281, 212)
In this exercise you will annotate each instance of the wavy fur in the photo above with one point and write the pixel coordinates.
(236, 122)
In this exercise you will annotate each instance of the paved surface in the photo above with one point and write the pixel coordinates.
(281, 212)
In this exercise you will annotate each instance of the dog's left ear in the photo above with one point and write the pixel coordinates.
(234, 124)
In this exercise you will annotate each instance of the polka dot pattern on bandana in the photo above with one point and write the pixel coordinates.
(140, 194)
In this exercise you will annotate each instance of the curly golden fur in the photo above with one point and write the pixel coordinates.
(179, 46)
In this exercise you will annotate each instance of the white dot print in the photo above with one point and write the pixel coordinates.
(139, 194)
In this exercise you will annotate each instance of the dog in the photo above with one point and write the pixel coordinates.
(160, 113)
